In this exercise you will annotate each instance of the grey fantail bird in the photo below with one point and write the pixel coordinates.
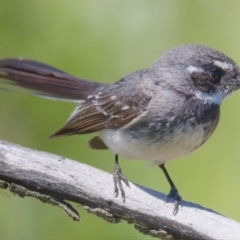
(160, 113)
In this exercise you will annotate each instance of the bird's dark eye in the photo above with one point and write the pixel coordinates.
(216, 74)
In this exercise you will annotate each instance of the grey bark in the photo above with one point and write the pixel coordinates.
(54, 179)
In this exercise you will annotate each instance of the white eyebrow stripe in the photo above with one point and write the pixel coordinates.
(192, 69)
(223, 65)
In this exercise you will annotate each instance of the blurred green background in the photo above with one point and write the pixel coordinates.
(103, 40)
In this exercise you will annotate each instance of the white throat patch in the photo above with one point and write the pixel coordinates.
(215, 98)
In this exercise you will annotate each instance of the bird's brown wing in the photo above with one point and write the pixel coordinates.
(112, 108)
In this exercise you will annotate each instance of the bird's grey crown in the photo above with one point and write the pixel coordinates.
(189, 68)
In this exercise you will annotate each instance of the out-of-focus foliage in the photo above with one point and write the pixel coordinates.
(103, 40)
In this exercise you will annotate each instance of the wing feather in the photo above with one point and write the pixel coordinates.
(109, 108)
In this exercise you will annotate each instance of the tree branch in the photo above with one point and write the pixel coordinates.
(54, 179)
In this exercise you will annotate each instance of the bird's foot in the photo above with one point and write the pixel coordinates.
(173, 194)
(117, 178)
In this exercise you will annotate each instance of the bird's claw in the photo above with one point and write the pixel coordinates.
(117, 178)
(173, 194)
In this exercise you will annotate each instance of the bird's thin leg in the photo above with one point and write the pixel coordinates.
(173, 192)
(117, 178)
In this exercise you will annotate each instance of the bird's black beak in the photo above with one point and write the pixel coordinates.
(236, 80)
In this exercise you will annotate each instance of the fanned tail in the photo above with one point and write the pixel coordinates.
(46, 81)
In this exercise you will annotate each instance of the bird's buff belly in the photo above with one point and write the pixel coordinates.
(157, 149)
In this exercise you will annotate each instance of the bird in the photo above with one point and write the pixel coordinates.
(160, 113)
